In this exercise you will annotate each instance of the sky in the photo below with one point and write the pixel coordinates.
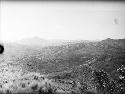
(62, 20)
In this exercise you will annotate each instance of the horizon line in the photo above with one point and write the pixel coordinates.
(35, 37)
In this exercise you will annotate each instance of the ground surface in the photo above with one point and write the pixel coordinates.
(78, 67)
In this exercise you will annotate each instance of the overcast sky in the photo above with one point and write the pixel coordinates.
(62, 20)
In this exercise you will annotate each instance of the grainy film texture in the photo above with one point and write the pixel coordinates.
(62, 47)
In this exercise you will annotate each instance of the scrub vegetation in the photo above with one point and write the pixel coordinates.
(80, 67)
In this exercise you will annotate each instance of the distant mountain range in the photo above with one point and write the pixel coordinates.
(36, 41)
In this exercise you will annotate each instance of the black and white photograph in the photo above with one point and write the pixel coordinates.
(62, 47)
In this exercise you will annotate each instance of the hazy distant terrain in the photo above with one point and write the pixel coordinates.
(66, 67)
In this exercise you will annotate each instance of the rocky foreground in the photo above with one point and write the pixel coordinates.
(14, 81)
(80, 80)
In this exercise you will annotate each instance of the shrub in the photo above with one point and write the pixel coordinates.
(103, 83)
(49, 91)
(0, 86)
(23, 85)
(34, 87)
(8, 92)
(121, 80)
(83, 87)
(35, 78)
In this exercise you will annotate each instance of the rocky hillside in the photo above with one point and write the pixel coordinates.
(64, 64)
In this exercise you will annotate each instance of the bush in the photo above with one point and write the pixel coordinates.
(8, 92)
(23, 85)
(49, 91)
(121, 80)
(83, 87)
(34, 87)
(103, 83)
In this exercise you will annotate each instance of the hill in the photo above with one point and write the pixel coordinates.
(66, 56)
(65, 60)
